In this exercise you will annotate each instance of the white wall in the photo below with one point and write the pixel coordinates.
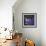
(6, 13)
(28, 6)
(43, 22)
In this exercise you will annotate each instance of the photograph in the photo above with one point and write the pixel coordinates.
(29, 20)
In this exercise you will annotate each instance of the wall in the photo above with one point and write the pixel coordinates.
(43, 22)
(28, 6)
(6, 13)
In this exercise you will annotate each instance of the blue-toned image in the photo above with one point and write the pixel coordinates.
(28, 19)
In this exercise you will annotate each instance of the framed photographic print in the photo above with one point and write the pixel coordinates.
(29, 20)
